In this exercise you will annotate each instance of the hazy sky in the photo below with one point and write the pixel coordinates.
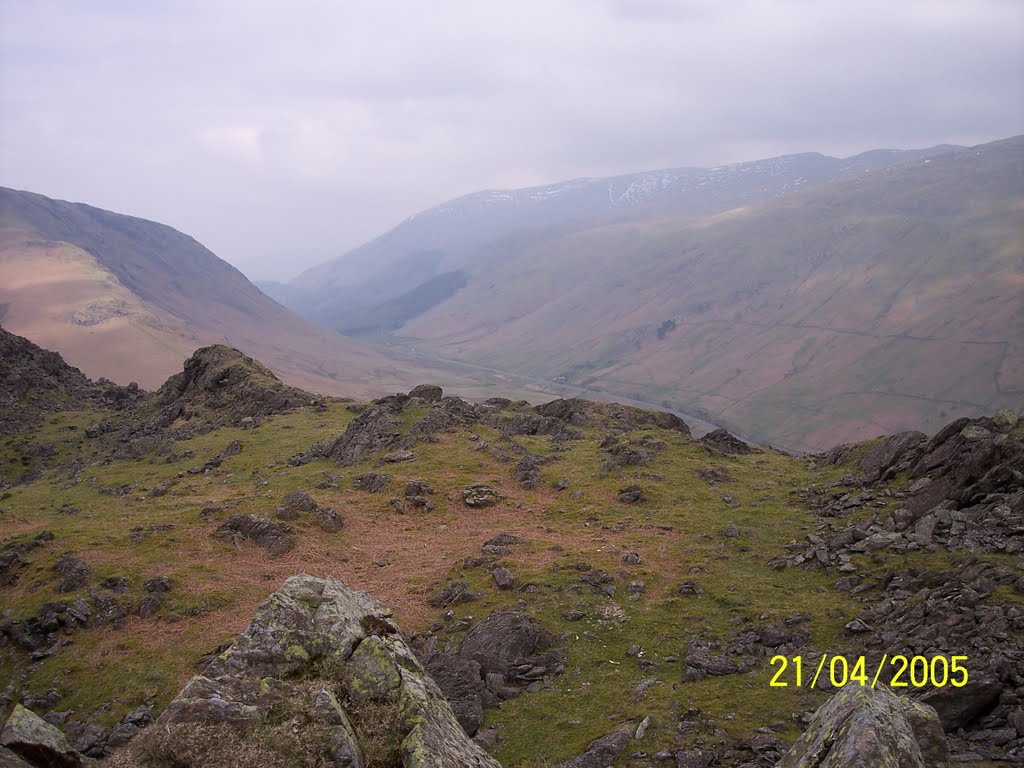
(281, 134)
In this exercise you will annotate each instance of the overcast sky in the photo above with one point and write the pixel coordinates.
(281, 134)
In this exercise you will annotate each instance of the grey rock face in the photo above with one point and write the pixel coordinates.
(328, 520)
(631, 494)
(527, 471)
(294, 504)
(414, 488)
(503, 578)
(878, 460)
(505, 641)
(959, 707)
(860, 726)
(501, 656)
(335, 655)
(453, 593)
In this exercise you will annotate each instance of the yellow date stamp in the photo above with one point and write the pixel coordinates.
(902, 671)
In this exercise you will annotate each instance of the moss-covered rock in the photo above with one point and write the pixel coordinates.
(321, 673)
(861, 726)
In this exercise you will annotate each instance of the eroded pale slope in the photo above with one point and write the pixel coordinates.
(62, 298)
(128, 299)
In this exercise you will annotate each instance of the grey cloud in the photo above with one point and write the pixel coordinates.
(280, 138)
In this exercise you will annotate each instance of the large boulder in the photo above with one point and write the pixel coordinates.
(429, 392)
(862, 726)
(35, 742)
(479, 495)
(966, 461)
(321, 677)
(960, 707)
(513, 645)
(276, 538)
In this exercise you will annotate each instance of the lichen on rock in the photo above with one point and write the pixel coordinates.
(322, 676)
(862, 726)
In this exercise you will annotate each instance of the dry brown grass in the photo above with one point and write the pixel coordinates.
(18, 525)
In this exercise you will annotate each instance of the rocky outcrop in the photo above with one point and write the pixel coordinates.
(372, 431)
(724, 442)
(446, 415)
(226, 385)
(600, 752)
(294, 504)
(478, 495)
(587, 413)
(629, 453)
(276, 538)
(430, 393)
(73, 573)
(372, 482)
(861, 726)
(965, 497)
(375, 432)
(35, 381)
(322, 676)
(501, 656)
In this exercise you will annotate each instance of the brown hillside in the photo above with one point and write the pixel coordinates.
(128, 299)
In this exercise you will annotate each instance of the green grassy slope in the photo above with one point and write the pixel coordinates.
(93, 509)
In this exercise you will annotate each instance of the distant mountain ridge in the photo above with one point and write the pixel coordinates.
(803, 300)
(777, 176)
(343, 292)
